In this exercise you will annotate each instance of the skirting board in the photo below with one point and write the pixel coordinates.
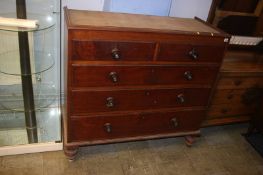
(30, 148)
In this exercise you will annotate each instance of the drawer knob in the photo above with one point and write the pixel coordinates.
(108, 127)
(116, 54)
(181, 98)
(237, 82)
(174, 122)
(114, 77)
(188, 75)
(110, 102)
(230, 96)
(224, 111)
(193, 54)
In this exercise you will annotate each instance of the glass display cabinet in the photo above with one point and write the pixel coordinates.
(29, 72)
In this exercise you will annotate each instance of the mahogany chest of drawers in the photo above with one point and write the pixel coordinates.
(133, 77)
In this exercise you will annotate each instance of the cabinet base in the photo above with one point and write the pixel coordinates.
(71, 149)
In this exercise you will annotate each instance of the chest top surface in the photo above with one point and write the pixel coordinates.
(134, 22)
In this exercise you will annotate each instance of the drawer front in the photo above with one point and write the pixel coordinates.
(239, 82)
(83, 102)
(229, 110)
(96, 76)
(190, 53)
(228, 96)
(112, 51)
(110, 127)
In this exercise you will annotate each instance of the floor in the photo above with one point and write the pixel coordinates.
(220, 151)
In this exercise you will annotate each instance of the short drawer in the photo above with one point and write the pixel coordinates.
(96, 76)
(110, 127)
(112, 51)
(239, 82)
(84, 102)
(190, 53)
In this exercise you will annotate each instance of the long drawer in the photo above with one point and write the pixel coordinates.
(110, 127)
(96, 76)
(84, 102)
(239, 82)
(228, 96)
(229, 110)
(190, 52)
(112, 50)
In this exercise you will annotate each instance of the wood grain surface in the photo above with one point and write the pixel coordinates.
(92, 128)
(95, 19)
(85, 76)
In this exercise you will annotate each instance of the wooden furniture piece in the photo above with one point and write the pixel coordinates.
(255, 96)
(257, 120)
(133, 77)
(221, 9)
(240, 71)
(242, 68)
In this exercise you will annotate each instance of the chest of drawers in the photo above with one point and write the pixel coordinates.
(240, 73)
(133, 77)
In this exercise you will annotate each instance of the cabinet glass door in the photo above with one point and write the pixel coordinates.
(44, 60)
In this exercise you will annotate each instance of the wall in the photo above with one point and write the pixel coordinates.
(96, 5)
(176, 8)
(190, 8)
(149, 7)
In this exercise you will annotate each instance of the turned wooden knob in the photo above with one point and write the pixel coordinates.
(188, 75)
(115, 53)
(108, 127)
(237, 82)
(114, 77)
(181, 98)
(110, 102)
(174, 122)
(193, 54)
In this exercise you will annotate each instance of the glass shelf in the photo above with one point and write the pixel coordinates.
(44, 22)
(40, 62)
(45, 96)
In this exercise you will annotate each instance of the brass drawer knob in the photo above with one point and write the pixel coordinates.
(174, 122)
(110, 102)
(188, 75)
(113, 76)
(108, 127)
(193, 54)
(181, 98)
(116, 54)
